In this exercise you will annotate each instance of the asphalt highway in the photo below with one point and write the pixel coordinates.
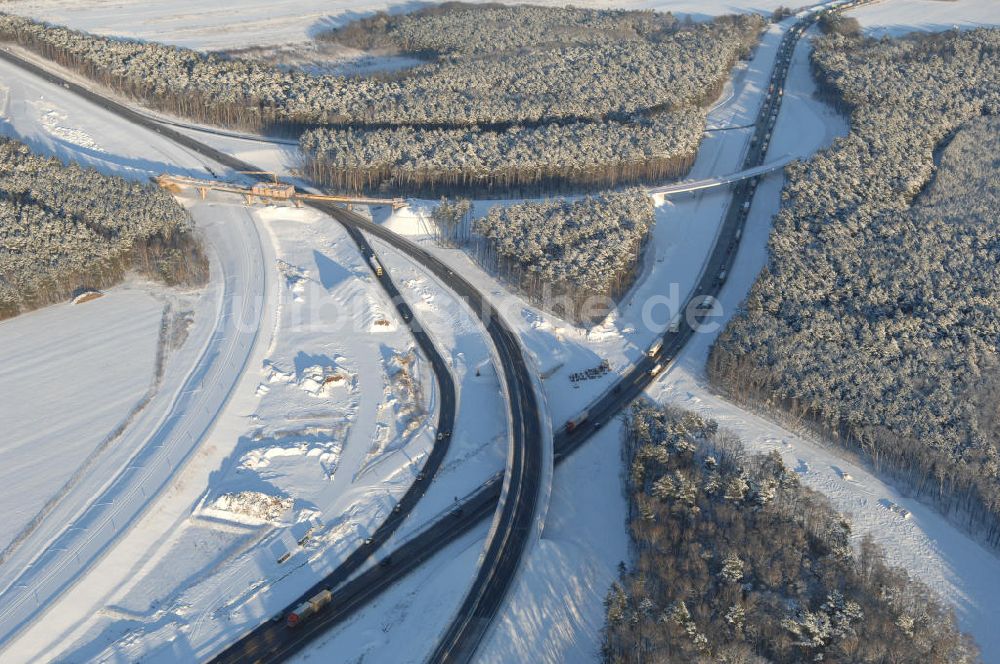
(477, 506)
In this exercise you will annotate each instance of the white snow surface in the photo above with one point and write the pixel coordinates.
(325, 416)
(897, 17)
(229, 24)
(320, 438)
(108, 489)
(397, 627)
(238, 24)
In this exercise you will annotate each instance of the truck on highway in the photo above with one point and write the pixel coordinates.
(309, 607)
(655, 348)
(657, 368)
(575, 423)
(675, 324)
(376, 266)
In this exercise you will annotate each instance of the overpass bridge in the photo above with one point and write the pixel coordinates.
(696, 185)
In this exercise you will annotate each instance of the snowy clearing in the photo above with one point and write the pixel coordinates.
(116, 486)
(66, 390)
(323, 433)
(228, 24)
(897, 17)
(237, 25)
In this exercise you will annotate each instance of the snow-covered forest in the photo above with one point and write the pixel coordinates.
(465, 28)
(561, 99)
(876, 318)
(627, 76)
(63, 228)
(571, 257)
(517, 160)
(736, 561)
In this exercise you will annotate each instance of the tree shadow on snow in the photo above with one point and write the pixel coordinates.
(105, 162)
(328, 23)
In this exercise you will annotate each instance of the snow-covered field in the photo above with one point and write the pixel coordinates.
(329, 424)
(104, 492)
(66, 391)
(896, 17)
(324, 432)
(234, 25)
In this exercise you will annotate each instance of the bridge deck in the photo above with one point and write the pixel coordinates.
(695, 185)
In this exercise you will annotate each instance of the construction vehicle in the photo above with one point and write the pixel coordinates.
(309, 607)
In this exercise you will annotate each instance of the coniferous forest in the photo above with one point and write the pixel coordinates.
(627, 76)
(583, 98)
(555, 99)
(574, 258)
(734, 561)
(63, 228)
